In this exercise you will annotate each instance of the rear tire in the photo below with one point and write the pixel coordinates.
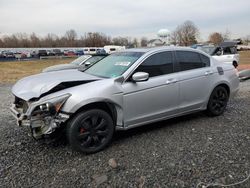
(217, 102)
(90, 131)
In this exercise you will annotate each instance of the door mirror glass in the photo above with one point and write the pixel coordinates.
(140, 76)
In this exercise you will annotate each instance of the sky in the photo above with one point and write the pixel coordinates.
(134, 18)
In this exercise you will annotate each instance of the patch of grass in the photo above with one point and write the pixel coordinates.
(10, 72)
(244, 57)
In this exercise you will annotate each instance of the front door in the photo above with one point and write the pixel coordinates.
(155, 98)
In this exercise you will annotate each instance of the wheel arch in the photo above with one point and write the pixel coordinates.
(226, 86)
(223, 84)
(111, 108)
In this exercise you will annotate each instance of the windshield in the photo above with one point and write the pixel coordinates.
(80, 59)
(207, 49)
(114, 65)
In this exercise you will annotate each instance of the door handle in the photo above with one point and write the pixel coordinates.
(208, 73)
(171, 81)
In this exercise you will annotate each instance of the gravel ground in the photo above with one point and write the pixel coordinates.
(181, 152)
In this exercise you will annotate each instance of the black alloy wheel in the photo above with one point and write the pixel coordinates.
(218, 101)
(90, 131)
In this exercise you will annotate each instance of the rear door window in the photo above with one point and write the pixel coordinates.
(205, 60)
(227, 51)
(191, 60)
(233, 50)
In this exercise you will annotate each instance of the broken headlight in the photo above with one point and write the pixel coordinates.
(50, 106)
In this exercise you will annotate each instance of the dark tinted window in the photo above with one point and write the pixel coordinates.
(42, 51)
(233, 50)
(189, 60)
(157, 64)
(227, 51)
(205, 60)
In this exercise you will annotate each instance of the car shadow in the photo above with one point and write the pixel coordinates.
(120, 135)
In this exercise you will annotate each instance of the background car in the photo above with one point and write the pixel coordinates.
(226, 52)
(8, 54)
(50, 53)
(41, 53)
(79, 52)
(81, 62)
(20, 55)
(69, 53)
(57, 52)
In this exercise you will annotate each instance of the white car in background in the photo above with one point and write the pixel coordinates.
(112, 48)
(226, 52)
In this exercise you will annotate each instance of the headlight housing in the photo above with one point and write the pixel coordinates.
(50, 106)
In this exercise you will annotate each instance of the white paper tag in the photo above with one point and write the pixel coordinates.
(125, 64)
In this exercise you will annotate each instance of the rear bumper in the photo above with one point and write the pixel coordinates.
(234, 92)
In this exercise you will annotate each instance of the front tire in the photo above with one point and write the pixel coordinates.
(217, 102)
(90, 131)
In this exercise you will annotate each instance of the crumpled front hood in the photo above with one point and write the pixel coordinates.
(36, 85)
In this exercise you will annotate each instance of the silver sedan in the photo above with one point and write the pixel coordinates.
(124, 90)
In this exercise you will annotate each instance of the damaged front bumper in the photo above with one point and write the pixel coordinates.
(21, 118)
(41, 121)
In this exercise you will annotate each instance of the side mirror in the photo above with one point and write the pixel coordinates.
(87, 64)
(140, 76)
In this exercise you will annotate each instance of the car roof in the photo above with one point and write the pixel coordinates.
(155, 49)
(228, 44)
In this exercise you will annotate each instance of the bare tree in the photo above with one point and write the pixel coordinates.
(1, 43)
(135, 43)
(215, 38)
(50, 40)
(185, 34)
(34, 40)
(91, 39)
(174, 38)
(120, 41)
(144, 42)
(71, 37)
(95, 39)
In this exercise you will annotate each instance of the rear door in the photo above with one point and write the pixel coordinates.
(228, 55)
(155, 98)
(194, 79)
